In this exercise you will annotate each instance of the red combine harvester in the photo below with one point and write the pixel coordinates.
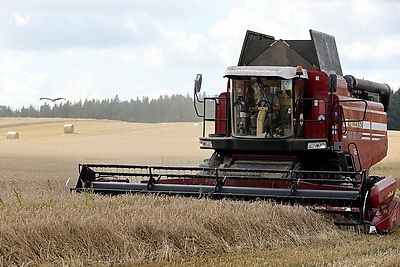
(289, 128)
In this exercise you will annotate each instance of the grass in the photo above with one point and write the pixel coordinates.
(352, 250)
(18, 199)
(149, 229)
(131, 230)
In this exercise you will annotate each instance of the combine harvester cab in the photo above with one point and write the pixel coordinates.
(289, 128)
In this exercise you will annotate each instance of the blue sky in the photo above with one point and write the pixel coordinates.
(97, 49)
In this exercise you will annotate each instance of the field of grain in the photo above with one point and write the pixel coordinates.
(42, 223)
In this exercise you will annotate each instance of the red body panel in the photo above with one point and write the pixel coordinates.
(383, 192)
(370, 134)
(316, 87)
(221, 111)
(385, 211)
(366, 121)
(388, 217)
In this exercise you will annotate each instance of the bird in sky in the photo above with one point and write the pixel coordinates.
(52, 99)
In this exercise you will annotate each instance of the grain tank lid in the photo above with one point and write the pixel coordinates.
(326, 51)
(318, 53)
(264, 71)
(253, 45)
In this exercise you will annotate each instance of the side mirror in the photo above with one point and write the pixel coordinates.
(332, 82)
(197, 83)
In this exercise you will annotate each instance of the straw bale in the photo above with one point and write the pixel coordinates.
(12, 135)
(68, 128)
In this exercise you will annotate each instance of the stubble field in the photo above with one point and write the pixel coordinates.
(42, 223)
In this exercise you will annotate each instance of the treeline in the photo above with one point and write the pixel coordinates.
(394, 111)
(164, 109)
(175, 108)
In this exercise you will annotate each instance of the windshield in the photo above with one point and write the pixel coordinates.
(262, 108)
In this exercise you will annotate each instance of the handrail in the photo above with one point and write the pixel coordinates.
(204, 101)
(357, 153)
(196, 97)
(341, 117)
(353, 100)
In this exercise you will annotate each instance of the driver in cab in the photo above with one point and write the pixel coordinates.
(271, 101)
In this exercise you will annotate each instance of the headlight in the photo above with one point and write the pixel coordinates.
(205, 143)
(317, 145)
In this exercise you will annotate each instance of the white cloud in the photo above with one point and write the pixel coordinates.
(87, 79)
(367, 9)
(395, 84)
(37, 78)
(177, 48)
(106, 52)
(12, 62)
(357, 51)
(398, 10)
(154, 58)
(16, 93)
(174, 50)
(69, 54)
(386, 47)
(131, 24)
(78, 52)
(14, 87)
(129, 57)
(19, 20)
(83, 85)
(282, 19)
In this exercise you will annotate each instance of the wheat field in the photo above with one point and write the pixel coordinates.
(43, 224)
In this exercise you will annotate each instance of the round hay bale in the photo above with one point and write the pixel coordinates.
(12, 135)
(68, 128)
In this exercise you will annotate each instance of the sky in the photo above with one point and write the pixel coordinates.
(97, 49)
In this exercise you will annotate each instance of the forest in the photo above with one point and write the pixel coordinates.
(175, 108)
(394, 111)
